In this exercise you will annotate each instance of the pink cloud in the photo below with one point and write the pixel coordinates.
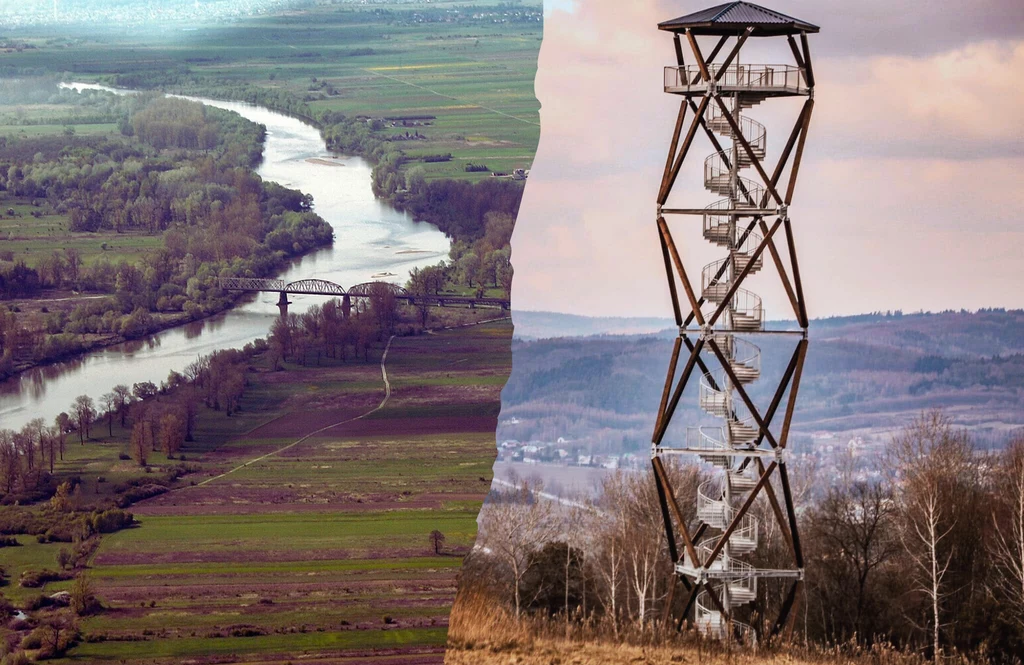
(905, 197)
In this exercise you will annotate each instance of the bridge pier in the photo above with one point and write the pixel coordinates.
(346, 306)
(282, 304)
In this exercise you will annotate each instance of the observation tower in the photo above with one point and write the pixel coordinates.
(720, 559)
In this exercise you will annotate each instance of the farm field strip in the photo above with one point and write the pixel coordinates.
(354, 570)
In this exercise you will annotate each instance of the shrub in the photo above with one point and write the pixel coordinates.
(136, 494)
(16, 658)
(110, 521)
(34, 579)
(247, 631)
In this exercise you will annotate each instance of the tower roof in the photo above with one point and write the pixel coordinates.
(734, 17)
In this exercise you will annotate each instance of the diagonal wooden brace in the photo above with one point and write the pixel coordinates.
(791, 514)
(671, 280)
(662, 425)
(702, 64)
(732, 54)
(662, 478)
(787, 605)
(738, 280)
(666, 186)
(666, 236)
(738, 386)
(668, 379)
(740, 514)
(666, 518)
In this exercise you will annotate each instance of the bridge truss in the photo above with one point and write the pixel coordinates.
(320, 287)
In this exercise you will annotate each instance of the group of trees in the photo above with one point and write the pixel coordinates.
(487, 260)
(328, 331)
(174, 123)
(73, 107)
(152, 418)
(928, 556)
(931, 554)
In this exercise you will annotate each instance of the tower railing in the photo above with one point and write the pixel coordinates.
(718, 179)
(755, 78)
(711, 439)
(710, 621)
(747, 311)
(714, 400)
(753, 132)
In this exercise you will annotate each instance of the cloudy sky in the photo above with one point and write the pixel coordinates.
(909, 194)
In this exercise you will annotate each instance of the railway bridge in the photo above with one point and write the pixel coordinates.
(321, 287)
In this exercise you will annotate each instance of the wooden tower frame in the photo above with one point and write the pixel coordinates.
(752, 220)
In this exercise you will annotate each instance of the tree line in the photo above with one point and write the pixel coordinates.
(332, 331)
(154, 418)
(928, 556)
(457, 207)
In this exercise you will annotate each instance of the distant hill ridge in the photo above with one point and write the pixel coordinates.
(982, 333)
(865, 373)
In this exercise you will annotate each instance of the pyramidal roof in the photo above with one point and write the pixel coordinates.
(734, 17)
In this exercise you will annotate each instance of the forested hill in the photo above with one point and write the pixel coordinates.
(864, 374)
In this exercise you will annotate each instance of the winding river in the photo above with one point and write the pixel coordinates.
(372, 241)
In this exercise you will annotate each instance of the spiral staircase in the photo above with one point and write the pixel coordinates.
(728, 447)
(748, 459)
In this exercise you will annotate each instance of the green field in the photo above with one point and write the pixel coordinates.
(471, 65)
(30, 239)
(319, 549)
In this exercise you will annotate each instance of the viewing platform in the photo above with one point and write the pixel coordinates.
(760, 81)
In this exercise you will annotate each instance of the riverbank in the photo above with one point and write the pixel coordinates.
(151, 260)
(88, 343)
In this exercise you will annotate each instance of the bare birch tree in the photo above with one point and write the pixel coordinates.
(924, 545)
(937, 475)
(516, 522)
(1008, 547)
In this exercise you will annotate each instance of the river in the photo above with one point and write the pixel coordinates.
(372, 241)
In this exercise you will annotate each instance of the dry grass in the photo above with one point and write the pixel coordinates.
(482, 632)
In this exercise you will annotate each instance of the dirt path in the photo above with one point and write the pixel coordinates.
(387, 396)
(432, 331)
